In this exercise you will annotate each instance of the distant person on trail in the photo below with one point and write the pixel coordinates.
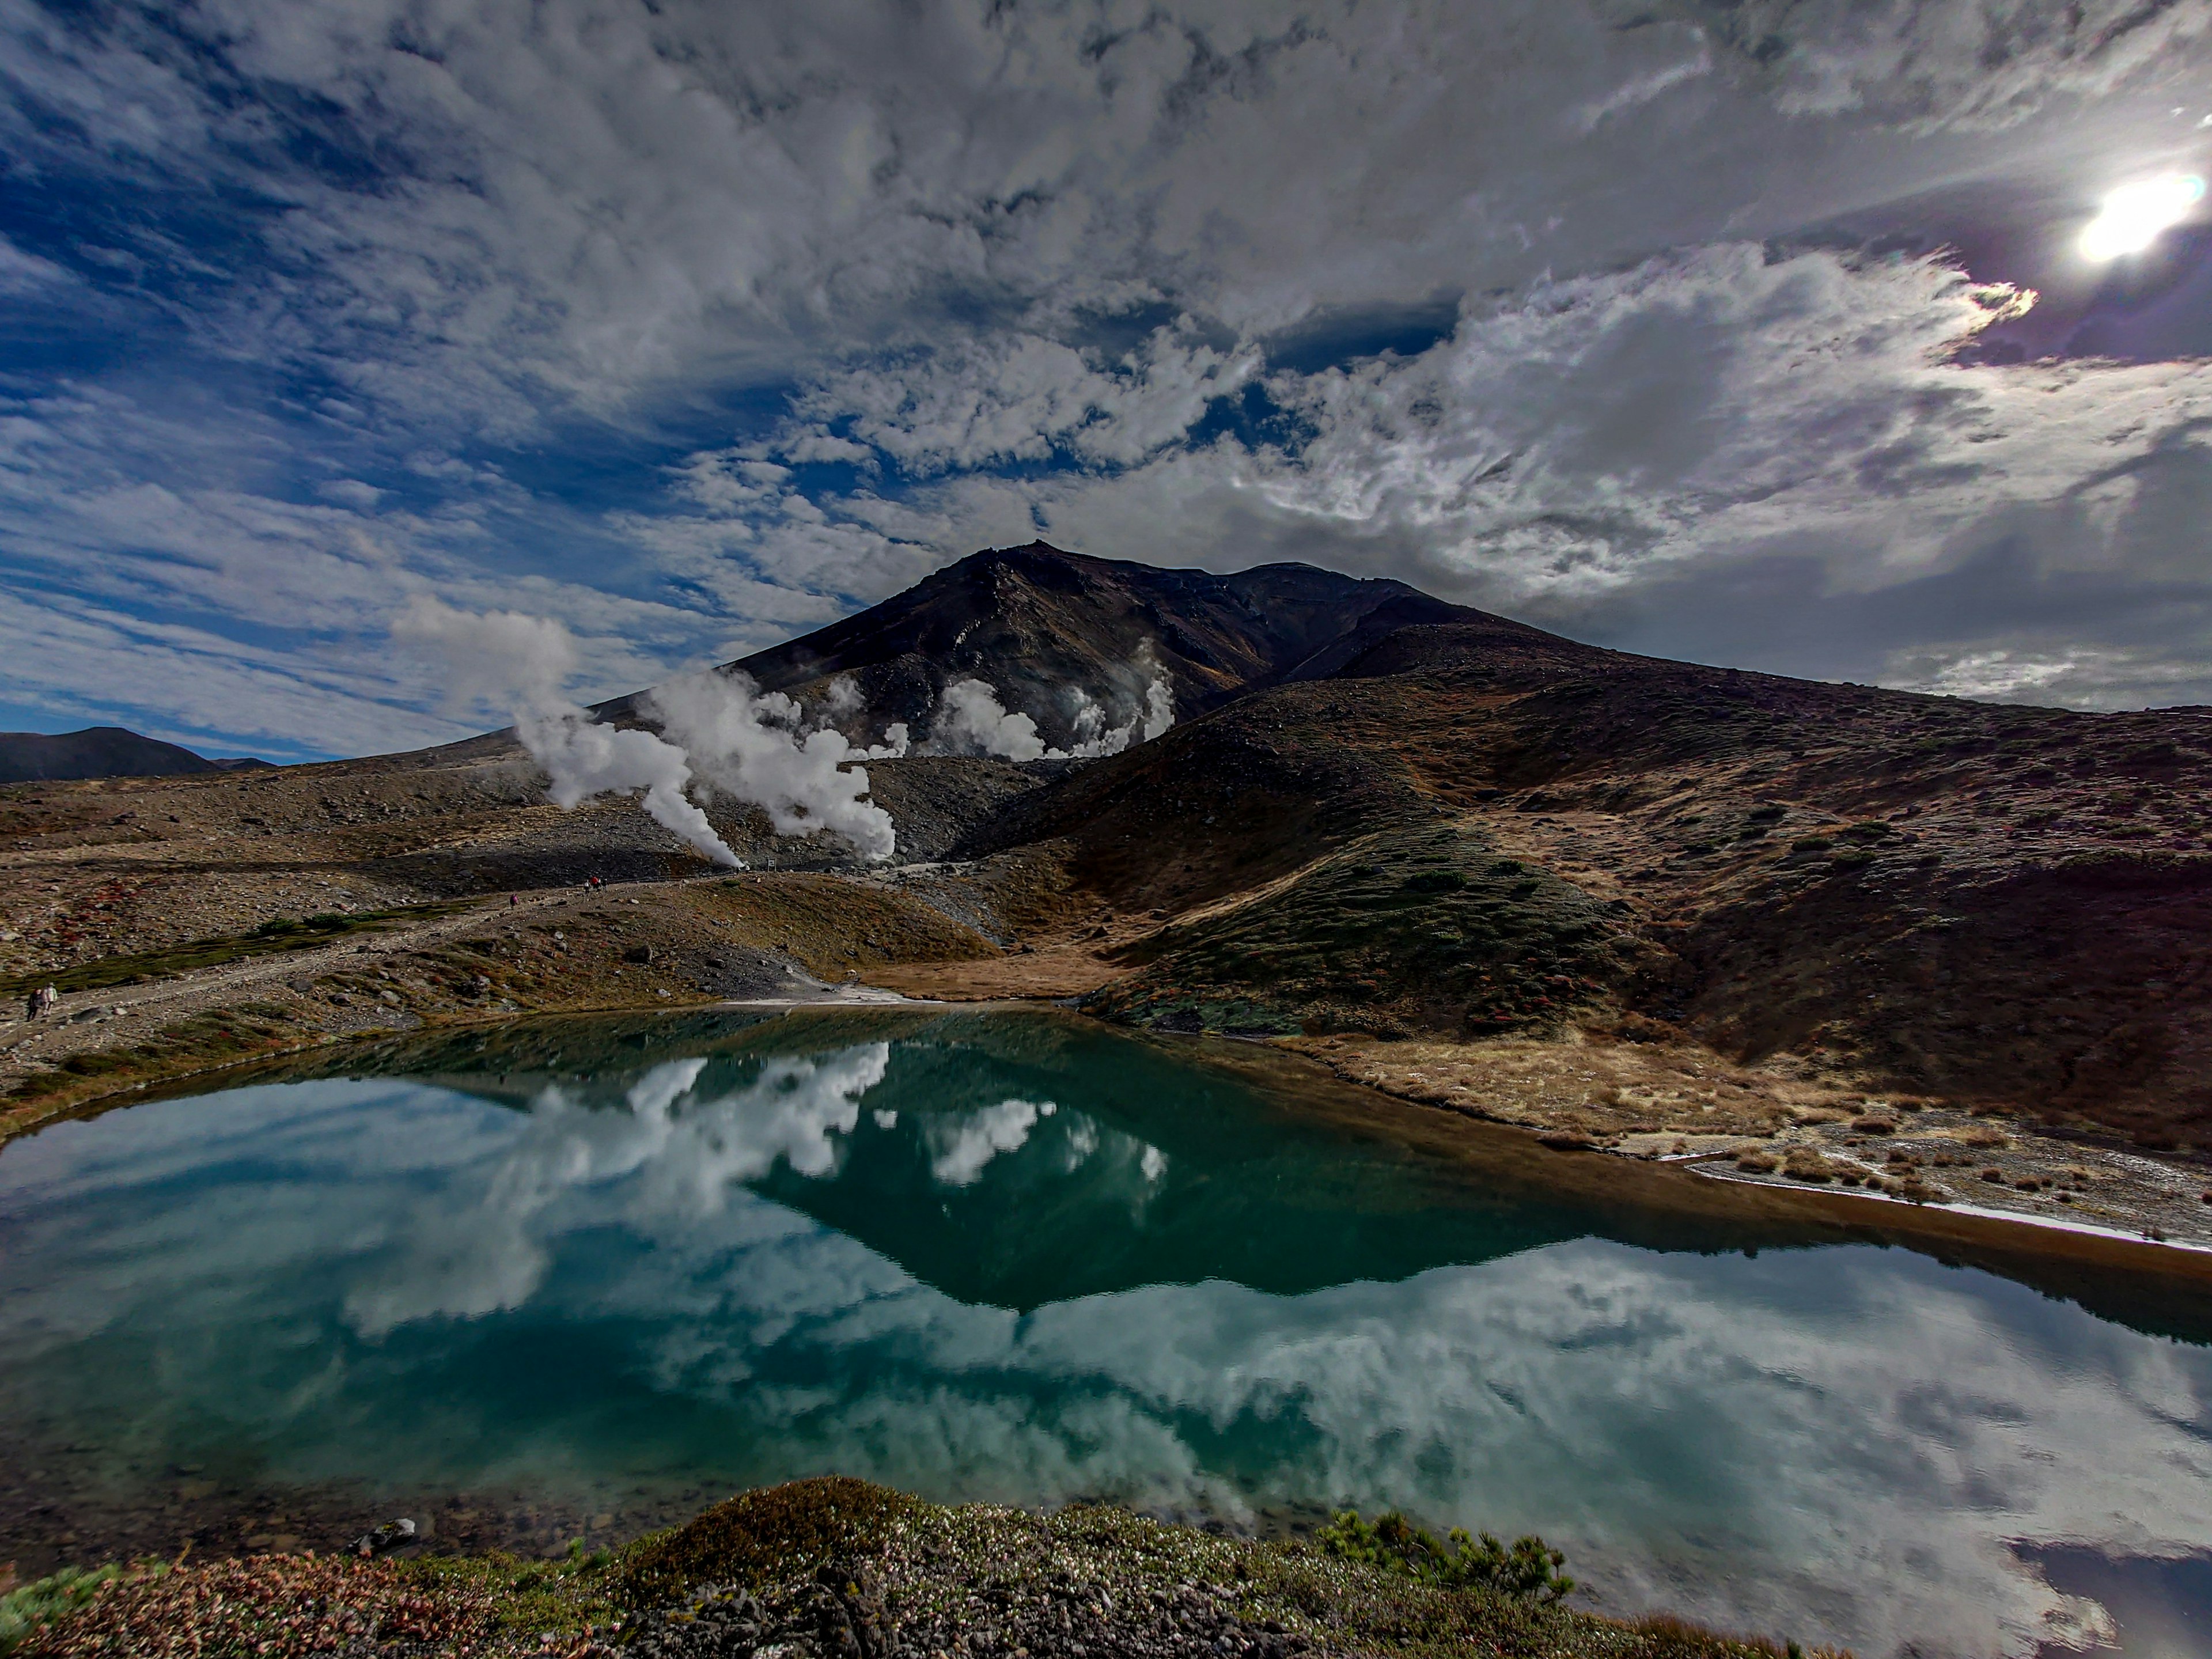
(514, 899)
(43, 1002)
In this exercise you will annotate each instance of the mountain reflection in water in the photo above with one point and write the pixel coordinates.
(1026, 1259)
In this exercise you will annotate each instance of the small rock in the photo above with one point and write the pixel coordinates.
(389, 1536)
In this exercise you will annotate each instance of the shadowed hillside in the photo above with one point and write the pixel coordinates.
(2007, 905)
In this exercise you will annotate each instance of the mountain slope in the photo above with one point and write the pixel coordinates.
(1464, 832)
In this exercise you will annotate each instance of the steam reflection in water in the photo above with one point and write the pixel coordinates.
(1082, 1273)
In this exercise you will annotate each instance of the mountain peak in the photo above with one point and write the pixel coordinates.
(1041, 624)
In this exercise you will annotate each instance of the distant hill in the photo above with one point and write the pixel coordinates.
(100, 751)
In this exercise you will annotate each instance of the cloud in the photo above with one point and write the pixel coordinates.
(1020, 398)
(699, 325)
(22, 273)
(162, 578)
(2057, 673)
(1616, 454)
(1991, 64)
(963, 1147)
(613, 201)
(88, 664)
(690, 1154)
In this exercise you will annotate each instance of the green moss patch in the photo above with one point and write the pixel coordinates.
(1413, 931)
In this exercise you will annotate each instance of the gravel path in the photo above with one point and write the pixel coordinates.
(115, 1015)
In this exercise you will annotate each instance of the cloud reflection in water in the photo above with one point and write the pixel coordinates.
(1841, 1444)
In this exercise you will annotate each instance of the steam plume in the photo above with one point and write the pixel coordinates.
(971, 721)
(524, 663)
(751, 746)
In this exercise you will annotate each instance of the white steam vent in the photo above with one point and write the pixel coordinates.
(723, 732)
(755, 747)
(972, 721)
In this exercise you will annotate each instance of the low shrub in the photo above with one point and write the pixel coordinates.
(775, 1530)
(1527, 1570)
(43, 1600)
(1434, 881)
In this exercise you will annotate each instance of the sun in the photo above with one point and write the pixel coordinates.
(2133, 215)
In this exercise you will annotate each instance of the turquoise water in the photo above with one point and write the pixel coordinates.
(1028, 1259)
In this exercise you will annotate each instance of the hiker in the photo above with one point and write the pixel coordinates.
(43, 1002)
(512, 900)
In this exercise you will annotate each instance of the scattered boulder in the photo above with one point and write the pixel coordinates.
(380, 1541)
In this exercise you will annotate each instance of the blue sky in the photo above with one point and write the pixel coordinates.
(1695, 328)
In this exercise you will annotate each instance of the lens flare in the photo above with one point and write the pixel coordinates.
(2133, 215)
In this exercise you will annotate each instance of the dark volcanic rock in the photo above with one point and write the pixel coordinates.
(1037, 623)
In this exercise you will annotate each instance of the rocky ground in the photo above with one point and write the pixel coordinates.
(834, 1569)
(1787, 1125)
(201, 922)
